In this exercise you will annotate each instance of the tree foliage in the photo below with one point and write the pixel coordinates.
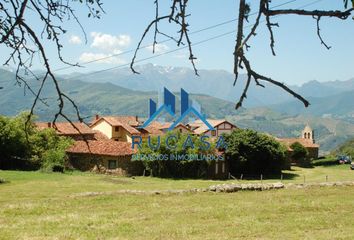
(300, 155)
(250, 152)
(166, 167)
(30, 148)
(13, 138)
(299, 151)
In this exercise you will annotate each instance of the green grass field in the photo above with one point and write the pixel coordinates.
(35, 205)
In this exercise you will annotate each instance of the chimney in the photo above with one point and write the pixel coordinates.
(97, 117)
(136, 118)
(49, 124)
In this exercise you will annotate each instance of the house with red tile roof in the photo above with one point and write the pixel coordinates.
(180, 128)
(106, 154)
(157, 128)
(75, 130)
(221, 126)
(118, 128)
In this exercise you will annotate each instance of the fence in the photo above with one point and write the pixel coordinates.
(294, 178)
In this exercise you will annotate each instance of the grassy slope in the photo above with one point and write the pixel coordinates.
(42, 206)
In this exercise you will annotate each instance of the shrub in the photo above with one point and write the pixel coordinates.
(300, 155)
(251, 152)
(175, 168)
(53, 158)
(328, 161)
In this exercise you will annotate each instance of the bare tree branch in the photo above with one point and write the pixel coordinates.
(319, 33)
(18, 34)
(241, 62)
(177, 15)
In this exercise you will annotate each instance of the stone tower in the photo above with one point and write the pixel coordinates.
(308, 133)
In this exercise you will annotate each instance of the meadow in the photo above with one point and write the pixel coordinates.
(37, 205)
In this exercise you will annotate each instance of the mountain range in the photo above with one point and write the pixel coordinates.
(268, 110)
(216, 83)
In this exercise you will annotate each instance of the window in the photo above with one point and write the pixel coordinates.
(180, 130)
(213, 132)
(112, 164)
(116, 129)
(216, 168)
(223, 167)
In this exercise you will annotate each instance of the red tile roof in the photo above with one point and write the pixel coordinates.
(154, 128)
(200, 127)
(99, 135)
(118, 120)
(127, 122)
(157, 128)
(102, 148)
(308, 143)
(66, 128)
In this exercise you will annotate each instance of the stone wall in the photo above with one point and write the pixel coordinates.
(89, 162)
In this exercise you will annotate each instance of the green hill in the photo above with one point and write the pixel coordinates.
(109, 99)
(95, 98)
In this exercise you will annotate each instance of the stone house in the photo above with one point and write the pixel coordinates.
(108, 155)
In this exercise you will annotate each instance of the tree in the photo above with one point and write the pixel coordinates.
(178, 15)
(30, 148)
(13, 144)
(299, 151)
(300, 154)
(250, 152)
(48, 149)
(158, 160)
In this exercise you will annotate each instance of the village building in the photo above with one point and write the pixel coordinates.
(307, 139)
(220, 125)
(76, 130)
(180, 128)
(107, 143)
(105, 156)
(118, 128)
(156, 128)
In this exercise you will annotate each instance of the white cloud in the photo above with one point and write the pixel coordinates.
(76, 40)
(100, 58)
(109, 42)
(159, 48)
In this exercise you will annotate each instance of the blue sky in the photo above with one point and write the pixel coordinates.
(300, 56)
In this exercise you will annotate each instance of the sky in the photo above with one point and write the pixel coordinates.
(300, 56)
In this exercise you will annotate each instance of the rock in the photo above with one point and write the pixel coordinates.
(212, 188)
(278, 185)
